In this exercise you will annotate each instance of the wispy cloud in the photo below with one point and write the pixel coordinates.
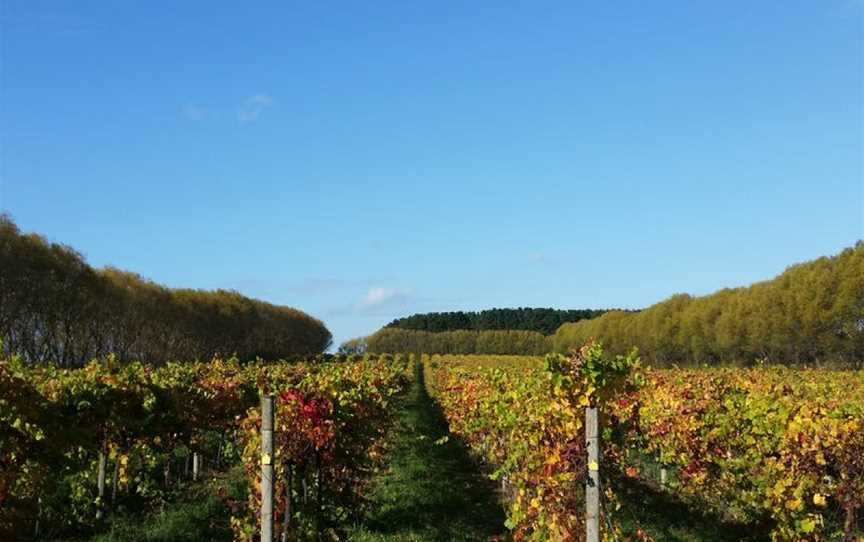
(385, 297)
(253, 107)
(379, 301)
(249, 111)
(544, 259)
(282, 290)
(194, 113)
(537, 257)
(314, 285)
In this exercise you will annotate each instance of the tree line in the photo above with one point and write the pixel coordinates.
(391, 339)
(56, 308)
(542, 320)
(811, 313)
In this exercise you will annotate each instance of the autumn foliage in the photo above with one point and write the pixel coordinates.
(762, 445)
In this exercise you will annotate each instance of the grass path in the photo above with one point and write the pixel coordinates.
(199, 515)
(430, 492)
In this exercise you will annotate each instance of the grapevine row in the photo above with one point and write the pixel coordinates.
(764, 444)
(77, 442)
(524, 420)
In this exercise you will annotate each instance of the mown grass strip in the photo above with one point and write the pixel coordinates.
(202, 515)
(432, 490)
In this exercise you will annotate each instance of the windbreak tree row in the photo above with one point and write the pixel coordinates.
(55, 307)
(813, 312)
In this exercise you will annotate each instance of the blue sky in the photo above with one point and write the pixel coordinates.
(367, 160)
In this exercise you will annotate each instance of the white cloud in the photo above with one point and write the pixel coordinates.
(544, 259)
(379, 301)
(194, 113)
(253, 107)
(537, 257)
(378, 297)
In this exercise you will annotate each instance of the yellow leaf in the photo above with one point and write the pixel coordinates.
(794, 504)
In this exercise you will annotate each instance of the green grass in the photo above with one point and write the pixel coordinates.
(430, 492)
(200, 516)
(665, 518)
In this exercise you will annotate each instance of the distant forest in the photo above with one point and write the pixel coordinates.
(541, 320)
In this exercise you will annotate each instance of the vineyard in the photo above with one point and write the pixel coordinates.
(759, 446)
(775, 450)
(79, 444)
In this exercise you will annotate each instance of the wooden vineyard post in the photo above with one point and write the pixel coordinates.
(267, 468)
(318, 499)
(100, 480)
(114, 479)
(592, 483)
(289, 484)
(38, 515)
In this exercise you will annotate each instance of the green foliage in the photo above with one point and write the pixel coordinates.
(813, 312)
(541, 320)
(354, 346)
(601, 377)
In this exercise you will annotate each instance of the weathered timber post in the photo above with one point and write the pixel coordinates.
(850, 522)
(318, 499)
(38, 516)
(196, 465)
(114, 479)
(663, 475)
(592, 483)
(267, 468)
(100, 480)
(289, 484)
